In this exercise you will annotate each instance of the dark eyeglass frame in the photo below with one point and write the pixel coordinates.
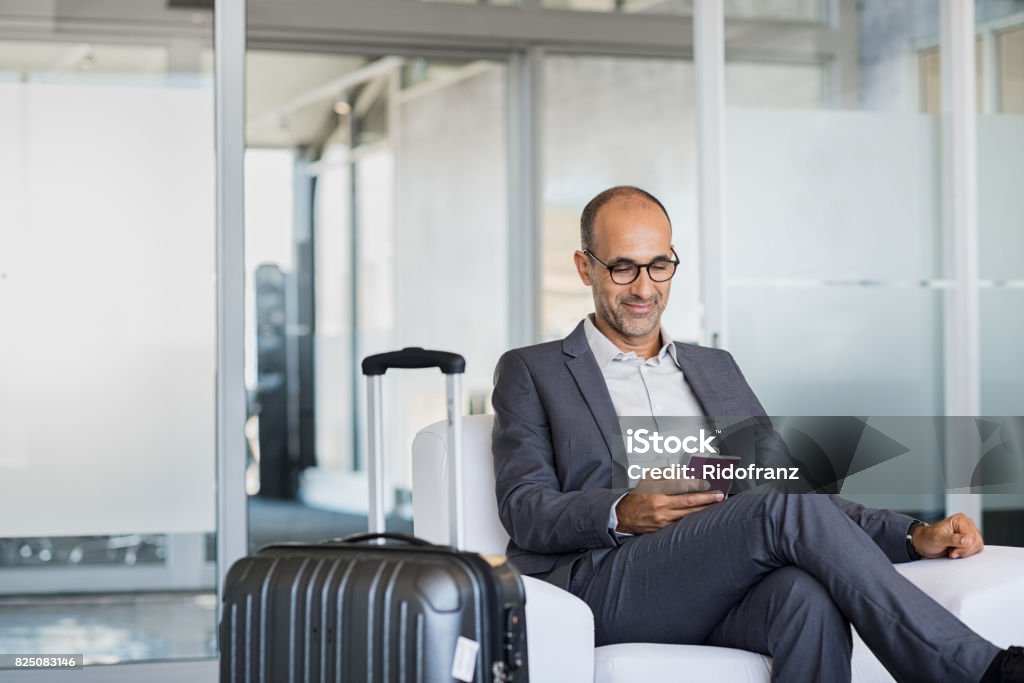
(638, 266)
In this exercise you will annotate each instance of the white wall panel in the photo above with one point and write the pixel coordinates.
(107, 293)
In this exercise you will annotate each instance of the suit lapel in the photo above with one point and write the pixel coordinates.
(592, 386)
(703, 388)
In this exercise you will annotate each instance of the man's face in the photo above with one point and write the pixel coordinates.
(628, 230)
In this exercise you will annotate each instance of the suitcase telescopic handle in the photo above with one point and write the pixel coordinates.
(453, 366)
(387, 536)
(414, 357)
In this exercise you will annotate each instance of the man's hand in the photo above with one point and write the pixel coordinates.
(671, 486)
(955, 536)
(641, 513)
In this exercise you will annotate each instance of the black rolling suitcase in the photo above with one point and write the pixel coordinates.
(377, 607)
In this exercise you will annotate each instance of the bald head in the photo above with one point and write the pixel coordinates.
(626, 193)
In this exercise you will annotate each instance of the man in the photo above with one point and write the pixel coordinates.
(784, 575)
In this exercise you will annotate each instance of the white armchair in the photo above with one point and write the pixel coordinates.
(986, 591)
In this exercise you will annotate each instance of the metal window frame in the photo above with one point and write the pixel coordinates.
(526, 183)
(402, 26)
(709, 80)
(962, 352)
(232, 503)
(368, 25)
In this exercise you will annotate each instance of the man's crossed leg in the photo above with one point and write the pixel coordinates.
(784, 575)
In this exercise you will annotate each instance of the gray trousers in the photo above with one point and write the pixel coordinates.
(785, 576)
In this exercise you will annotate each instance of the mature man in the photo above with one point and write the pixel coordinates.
(780, 574)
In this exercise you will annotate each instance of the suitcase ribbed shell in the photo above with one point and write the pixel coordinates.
(355, 613)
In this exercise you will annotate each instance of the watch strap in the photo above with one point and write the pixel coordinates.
(911, 552)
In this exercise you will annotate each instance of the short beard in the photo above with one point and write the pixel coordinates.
(631, 327)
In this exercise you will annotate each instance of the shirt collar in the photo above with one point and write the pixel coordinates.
(605, 351)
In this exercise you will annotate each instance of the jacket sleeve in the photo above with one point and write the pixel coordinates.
(537, 514)
(769, 448)
(886, 528)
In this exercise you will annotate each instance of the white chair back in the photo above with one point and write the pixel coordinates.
(484, 532)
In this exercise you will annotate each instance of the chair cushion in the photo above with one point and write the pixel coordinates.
(641, 662)
(637, 662)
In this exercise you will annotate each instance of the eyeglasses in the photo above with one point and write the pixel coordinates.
(659, 270)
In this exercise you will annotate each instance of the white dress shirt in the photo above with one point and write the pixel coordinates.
(642, 387)
(651, 387)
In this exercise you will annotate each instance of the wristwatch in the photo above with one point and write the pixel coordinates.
(911, 552)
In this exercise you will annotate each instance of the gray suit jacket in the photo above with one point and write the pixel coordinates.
(556, 452)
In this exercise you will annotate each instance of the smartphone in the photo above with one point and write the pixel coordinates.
(721, 473)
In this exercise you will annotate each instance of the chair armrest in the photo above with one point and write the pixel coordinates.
(559, 634)
(985, 591)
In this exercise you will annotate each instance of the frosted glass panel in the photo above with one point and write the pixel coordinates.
(1002, 393)
(839, 350)
(832, 194)
(107, 290)
(1000, 201)
(1002, 363)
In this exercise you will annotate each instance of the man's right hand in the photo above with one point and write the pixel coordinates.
(642, 513)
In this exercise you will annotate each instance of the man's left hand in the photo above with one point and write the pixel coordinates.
(955, 537)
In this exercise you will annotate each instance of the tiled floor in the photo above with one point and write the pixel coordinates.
(112, 628)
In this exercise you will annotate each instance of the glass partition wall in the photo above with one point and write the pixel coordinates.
(407, 186)
(112, 272)
(107, 288)
(842, 286)
(999, 28)
(834, 281)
